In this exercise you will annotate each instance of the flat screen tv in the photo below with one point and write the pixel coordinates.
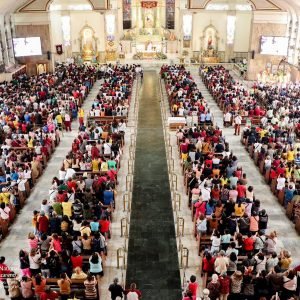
(274, 45)
(28, 46)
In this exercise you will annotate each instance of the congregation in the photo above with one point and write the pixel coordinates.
(239, 254)
(68, 244)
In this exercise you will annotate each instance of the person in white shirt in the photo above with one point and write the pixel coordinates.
(280, 182)
(68, 122)
(69, 173)
(237, 124)
(227, 119)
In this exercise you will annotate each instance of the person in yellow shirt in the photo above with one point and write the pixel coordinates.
(81, 116)
(104, 166)
(30, 143)
(67, 208)
(239, 209)
(95, 165)
(5, 196)
(59, 121)
(290, 155)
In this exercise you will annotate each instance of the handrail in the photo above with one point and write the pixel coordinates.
(180, 226)
(174, 181)
(129, 184)
(124, 227)
(171, 164)
(184, 257)
(177, 201)
(121, 255)
(130, 166)
(126, 202)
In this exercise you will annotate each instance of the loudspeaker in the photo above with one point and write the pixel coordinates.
(252, 54)
(48, 55)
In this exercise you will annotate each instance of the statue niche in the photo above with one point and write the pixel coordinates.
(209, 43)
(88, 43)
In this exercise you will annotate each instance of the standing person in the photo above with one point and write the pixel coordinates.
(90, 287)
(4, 271)
(237, 124)
(81, 116)
(133, 293)
(68, 122)
(116, 289)
(64, 286)
(26, 287)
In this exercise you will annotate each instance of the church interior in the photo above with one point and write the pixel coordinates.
(150, 149)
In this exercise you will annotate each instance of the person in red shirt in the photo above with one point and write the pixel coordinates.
(208, 264)
(241, 189)
(4, 272)
(43, 223)
(248, 243)
(76, 259)
(193, 285)
(105, 227)
(224, 286)
(48, 294)
(133, 289)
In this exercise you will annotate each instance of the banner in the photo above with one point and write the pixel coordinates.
(148, 4)
(126, 14)
(170, 14)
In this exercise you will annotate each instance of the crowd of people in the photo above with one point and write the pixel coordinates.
(240, 256)
(273, 140)
(70, 228)
(33, 110)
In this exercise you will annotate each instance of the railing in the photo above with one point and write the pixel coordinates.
(129, 182)
(124, 227)
(174, 181)
(184, 258)
(121, 259)
(130, 166)
(126, 202)
(180, 226)
(176, 201)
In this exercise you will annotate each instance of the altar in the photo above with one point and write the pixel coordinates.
(147, 38)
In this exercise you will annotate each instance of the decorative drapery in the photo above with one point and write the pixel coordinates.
(126, 14)
(170, 14)
(148, 4)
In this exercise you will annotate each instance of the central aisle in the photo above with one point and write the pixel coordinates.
(152, 253)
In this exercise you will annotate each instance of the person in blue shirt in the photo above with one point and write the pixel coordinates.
(108, 197)
(94, 225)
(14, 175)
(288, 195)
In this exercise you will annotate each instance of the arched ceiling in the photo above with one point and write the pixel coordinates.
(256, 4)
(10, 6)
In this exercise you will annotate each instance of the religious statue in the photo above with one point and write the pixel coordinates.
(41, 69)
(149, 46)
(210, 43)
(88, 43)
(149, 20)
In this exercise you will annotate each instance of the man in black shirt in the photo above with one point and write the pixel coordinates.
(116, 289)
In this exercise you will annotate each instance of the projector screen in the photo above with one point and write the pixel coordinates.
(274, 45)
(27, 46)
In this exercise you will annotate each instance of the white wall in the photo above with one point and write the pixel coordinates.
(92, 19)
(242, 31)
(205, 18)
